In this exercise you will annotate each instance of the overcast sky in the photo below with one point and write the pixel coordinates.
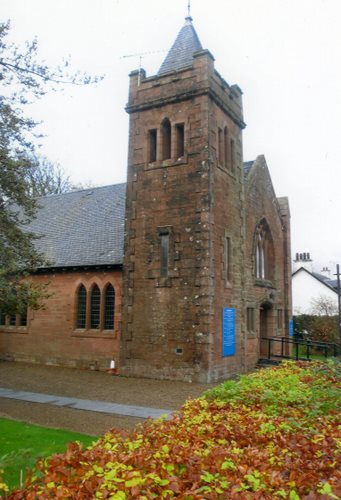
(284, 54)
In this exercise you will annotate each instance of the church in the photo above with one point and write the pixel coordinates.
(182, 272)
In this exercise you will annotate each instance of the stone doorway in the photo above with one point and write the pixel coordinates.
(265, 322)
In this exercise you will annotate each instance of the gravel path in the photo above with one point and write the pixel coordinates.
(85, 384)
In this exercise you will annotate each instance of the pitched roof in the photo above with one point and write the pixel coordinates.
(247, 165)
(181, 53)
(331, 283)
(319, 277)
(81, 228)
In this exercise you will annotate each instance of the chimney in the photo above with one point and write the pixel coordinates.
(303, 259)
(325, 271)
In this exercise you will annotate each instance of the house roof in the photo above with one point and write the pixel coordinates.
(331, 283)
(181, 53)
(319, 277)
(81, 228)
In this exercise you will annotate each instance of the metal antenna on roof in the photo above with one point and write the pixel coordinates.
(140, 55)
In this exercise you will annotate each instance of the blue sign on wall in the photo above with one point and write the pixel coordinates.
(291, 327)
(229, 331)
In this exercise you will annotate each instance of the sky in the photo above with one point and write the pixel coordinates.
(284, 54)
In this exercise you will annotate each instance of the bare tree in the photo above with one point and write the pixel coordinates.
(45, 177)
(323, 306)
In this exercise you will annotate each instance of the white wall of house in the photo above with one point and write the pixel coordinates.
(305, 288)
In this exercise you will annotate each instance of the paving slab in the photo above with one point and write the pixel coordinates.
(85, 404)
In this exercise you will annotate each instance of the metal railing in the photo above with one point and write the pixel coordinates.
(310, 347)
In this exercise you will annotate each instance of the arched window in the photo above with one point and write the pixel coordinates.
(260, 258)
(95, 307)
(264, 252)
(109, 307)
(166, 139)
(81, 307)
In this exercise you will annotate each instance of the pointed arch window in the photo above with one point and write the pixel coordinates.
(95, 307)
(109, 307)
(264, 252)
(81, 307)
(166, 132)
(260, 257)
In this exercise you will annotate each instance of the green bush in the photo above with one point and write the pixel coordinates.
(272, 434)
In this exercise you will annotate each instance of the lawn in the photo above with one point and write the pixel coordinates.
(22, 444)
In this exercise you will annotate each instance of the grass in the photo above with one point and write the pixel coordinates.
(314, 353)
(21, 444)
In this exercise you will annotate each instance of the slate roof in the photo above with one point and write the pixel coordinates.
(327, 281)
(320, 277)
(247, 165)
(333, 284)
(181, 53)
(81, 228)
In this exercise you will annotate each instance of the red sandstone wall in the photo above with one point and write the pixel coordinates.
(227, 221)
(261, 202)
(172, 327)
(51, 337)
(164, 316)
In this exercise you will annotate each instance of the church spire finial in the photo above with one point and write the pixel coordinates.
(188, 18)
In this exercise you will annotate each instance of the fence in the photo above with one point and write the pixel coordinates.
(288, 348)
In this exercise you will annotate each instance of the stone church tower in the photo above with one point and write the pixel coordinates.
(184, 233)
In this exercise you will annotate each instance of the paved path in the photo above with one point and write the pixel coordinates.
(85, 404)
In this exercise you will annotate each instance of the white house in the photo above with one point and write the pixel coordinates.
(308, 286)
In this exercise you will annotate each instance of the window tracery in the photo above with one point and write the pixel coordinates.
(264, 252)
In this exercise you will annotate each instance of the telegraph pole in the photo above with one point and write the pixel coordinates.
(338, 298)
